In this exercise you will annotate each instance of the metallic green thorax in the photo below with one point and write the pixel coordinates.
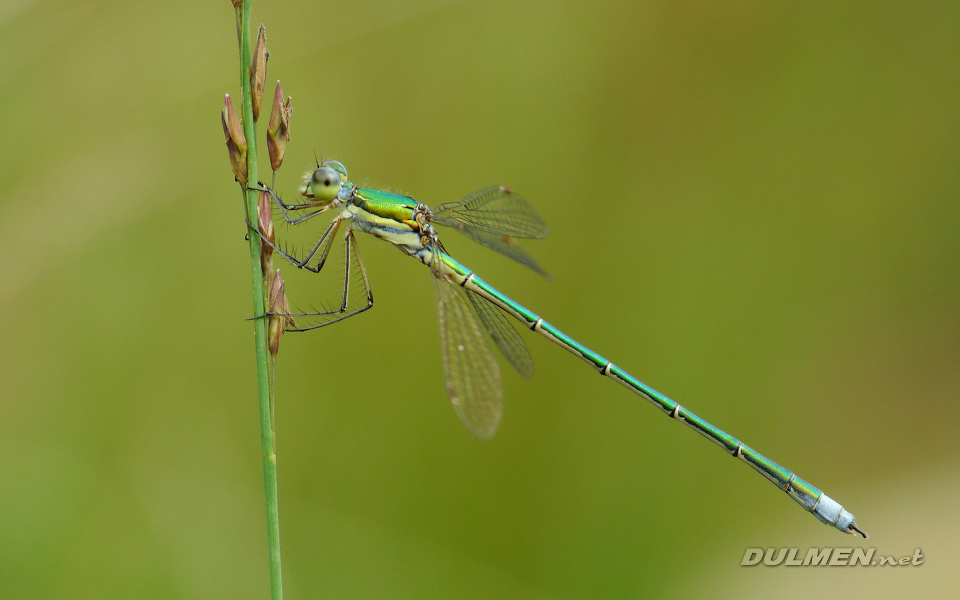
(385, 204)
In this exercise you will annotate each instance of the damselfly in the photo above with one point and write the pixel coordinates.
(467, 306)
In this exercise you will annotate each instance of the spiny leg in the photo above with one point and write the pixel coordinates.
(346, 270)
(302, 264)
(350, 242)
(326, 241)
(285, 207)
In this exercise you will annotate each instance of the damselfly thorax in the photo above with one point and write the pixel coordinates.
(397, 219)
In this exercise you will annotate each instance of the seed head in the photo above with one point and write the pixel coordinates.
(265, 228)
(265, 217)
(279, 314)
(258, 71)
(236, 142)
(278, 129)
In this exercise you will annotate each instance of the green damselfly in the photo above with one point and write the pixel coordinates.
(467, 306)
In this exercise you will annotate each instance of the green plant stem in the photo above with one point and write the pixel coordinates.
(264, 380)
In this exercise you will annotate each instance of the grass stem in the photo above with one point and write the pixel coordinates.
(264, 375)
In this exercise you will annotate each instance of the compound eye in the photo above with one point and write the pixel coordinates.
(325, 184)
(337, 166)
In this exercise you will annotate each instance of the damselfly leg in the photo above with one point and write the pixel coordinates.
(352, 272)
(324, 240)
(291, 207)
(354, 275)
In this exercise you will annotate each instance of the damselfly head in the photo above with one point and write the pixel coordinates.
(324, 183)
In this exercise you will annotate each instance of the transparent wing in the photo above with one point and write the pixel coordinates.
(469, 367)
(496, 209)
(504, 334)
(500, 242)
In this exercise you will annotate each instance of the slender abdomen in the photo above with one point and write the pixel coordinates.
(825, 509)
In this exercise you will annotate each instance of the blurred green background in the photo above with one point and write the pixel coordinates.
(753, 208)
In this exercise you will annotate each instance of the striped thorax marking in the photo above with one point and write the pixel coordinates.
(606, 368)
(535, 326)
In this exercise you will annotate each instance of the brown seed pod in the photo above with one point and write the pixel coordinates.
(278, 129)
(236, 142)
(258, 71)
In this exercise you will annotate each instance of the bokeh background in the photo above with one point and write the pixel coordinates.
(753, 208)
